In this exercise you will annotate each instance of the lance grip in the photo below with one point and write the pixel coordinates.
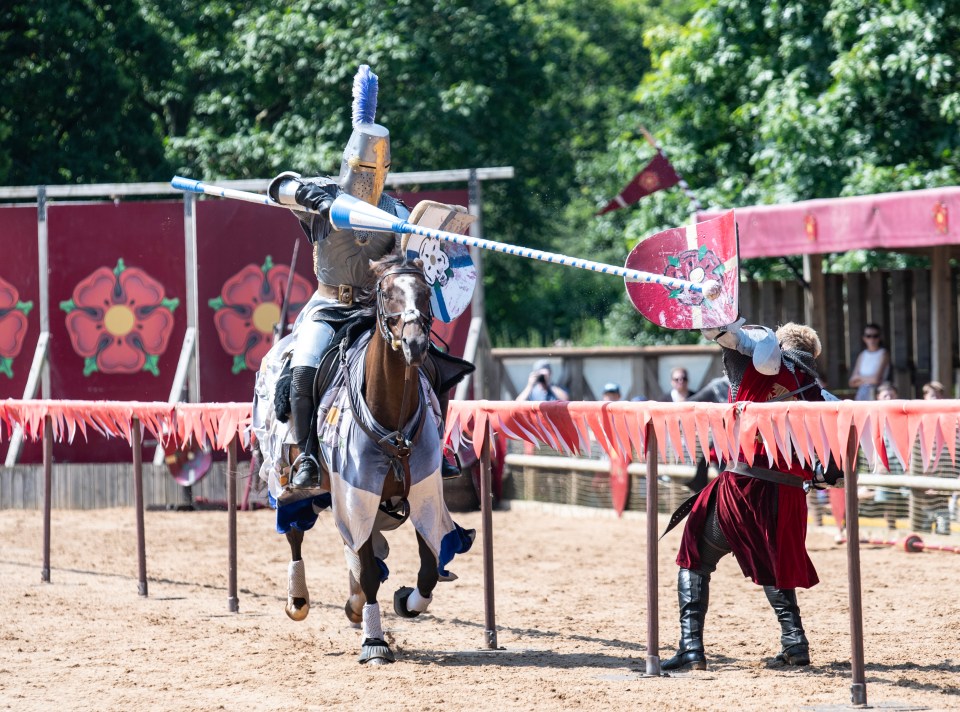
(187, 184)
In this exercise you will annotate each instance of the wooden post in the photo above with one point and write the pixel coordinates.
(943, 324)
(815, 313)
(858, 686)
(486, 518)
(653, 609)
(233, 602)
(138, 497)
(47, 494)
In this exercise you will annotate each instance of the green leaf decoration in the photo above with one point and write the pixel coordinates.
(151, 364)
(24, 307)
(68, 306)
(170, 304)
(673, 261)
(216, 303)
(267, 264)
(702, 252)
(239, 364)
(719, 270)
(120, 267)
(89, 366)
(675, 293)
(5, 367)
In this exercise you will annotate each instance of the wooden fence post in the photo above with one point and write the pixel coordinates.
(47, 494)
(138, 497)
(233, 602)
(653, 608)
(858, 687)
(486, 518)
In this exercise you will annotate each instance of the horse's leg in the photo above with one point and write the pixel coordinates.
(411, 602)
(374, 649)
(354, 605)
(298, 598)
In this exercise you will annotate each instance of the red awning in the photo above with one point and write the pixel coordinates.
(889, 221)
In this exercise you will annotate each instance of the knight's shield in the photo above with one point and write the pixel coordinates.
(695, 253)
(447, 266)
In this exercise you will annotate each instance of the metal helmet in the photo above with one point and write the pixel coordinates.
(366, 159)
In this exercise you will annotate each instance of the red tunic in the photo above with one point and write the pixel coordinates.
(764, 523)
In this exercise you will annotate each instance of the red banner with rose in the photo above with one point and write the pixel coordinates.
(118, 302)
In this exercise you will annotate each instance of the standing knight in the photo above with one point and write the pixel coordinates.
(758, 514)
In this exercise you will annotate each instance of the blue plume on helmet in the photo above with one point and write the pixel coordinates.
(364, 96)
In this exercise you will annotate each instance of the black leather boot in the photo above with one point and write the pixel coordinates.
(693, 591)
(449, 469)
(796, 649)
(303, 424)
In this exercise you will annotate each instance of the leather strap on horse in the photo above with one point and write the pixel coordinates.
(395, 445)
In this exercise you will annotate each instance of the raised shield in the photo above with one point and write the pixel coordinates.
(697, 253)
(448, 266)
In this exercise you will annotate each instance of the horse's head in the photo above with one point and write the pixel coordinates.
(404, 315)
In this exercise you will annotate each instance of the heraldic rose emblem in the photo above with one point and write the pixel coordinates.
(248, 307)
(119, 320)
(13, 325)
(694, 266)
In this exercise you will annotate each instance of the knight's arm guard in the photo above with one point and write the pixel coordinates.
(759, 342)
(316, 193)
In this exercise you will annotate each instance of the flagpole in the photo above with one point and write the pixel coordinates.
(683, 184)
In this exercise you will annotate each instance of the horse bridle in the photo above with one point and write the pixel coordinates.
(407, 315)
(396, 445)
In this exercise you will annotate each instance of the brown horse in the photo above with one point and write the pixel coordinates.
(382, 464)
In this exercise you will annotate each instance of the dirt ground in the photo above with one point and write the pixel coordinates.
(570, 591)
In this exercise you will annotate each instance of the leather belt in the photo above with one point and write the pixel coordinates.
(774, 476)
(342, 293)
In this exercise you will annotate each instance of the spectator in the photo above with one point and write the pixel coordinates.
(679, 386)
(611, 392)
(887, 497)
(887, 391)
(872, 364)
(933, 391)
(540, 386)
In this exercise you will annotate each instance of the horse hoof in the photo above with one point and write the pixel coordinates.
(356, 619)
(375, 651)
(295, 612)
(400, 603)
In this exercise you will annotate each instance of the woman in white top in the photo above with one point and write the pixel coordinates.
(871, 366)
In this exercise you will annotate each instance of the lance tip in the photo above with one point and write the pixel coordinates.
(712, 289)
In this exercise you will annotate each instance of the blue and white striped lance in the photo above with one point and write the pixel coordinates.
(349, 212)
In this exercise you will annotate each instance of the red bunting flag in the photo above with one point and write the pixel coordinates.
(657, 175)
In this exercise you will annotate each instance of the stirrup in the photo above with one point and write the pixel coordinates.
(307, 473)
(450, 470)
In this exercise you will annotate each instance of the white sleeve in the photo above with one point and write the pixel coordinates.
(758, 342)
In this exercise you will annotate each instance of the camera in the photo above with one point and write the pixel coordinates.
(542, 380)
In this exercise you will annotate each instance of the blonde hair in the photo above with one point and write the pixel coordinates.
(800, 337)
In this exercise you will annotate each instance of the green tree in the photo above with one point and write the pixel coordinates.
(74, 89)
(761, 102)
(472, 83)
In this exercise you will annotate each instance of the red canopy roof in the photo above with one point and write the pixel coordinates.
(910, 219)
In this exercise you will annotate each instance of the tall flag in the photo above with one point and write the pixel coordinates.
(656, 175)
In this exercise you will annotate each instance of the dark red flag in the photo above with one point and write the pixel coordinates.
(657, 175)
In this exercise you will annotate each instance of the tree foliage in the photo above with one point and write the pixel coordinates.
(760, 102)
(754, 101)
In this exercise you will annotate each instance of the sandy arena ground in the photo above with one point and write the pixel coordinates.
(571, 615)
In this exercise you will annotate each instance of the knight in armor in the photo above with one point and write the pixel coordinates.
(758, 514)
(341, 260)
